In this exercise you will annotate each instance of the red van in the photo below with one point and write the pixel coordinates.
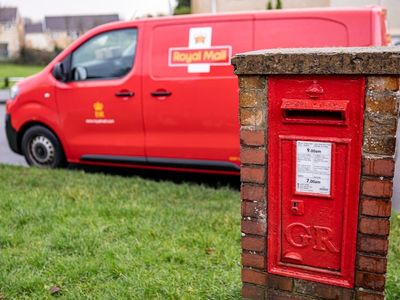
(161, 93)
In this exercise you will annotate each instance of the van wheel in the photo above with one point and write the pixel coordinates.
(42, 149)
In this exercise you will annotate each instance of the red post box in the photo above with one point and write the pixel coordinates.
(314, 146)
(317, 132)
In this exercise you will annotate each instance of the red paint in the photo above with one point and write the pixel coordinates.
(175, 113)
(312, 235)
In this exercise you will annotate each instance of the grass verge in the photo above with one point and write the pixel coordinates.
(93, 236)
(393, 276)
(13, 70)
(108, 237)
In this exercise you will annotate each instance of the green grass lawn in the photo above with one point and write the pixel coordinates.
(393, 278)
(110, 237)
(13, 70)
(100, 236)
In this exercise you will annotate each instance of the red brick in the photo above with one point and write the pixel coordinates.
(252, 174)
(280, 283)
(252, 156)
(365, 295)
(254, 227)
(378, 167)
(252, 82)
(252, 138)
(254, 276)
(372, 245)
(379, 144)
(382, 103)
(383, 83)
(324, 291)
(253, 243)
(251, 98)
(253, 260)
(253, 292)
(279, 295)
(378, 208)
(376, 226)
(253, 192)
(253, 209)
(377, 188)
(252, 117)
(379, 125)
(370, 281)
(372, 264)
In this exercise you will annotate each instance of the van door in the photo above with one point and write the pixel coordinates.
(100, 106)
(190, 95)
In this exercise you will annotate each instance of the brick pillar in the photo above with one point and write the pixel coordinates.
(380, 69)
(253, 111)
(380, 121)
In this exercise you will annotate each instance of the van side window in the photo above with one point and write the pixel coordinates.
(105, 56)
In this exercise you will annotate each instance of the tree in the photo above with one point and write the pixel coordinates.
(184, 3)
(269, 5)
(183, 7)
(278, 4)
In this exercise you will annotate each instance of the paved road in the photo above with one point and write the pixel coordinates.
(4, 94)
(8, 157)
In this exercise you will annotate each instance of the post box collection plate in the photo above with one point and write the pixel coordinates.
(313, 167)
(314, 156)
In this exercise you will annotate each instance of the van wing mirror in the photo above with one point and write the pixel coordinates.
(79, 73)
(59, 72)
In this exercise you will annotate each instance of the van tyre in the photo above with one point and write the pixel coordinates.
(42, 149)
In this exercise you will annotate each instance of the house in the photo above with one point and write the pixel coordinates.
(37, 38)
(11, 33)
(65, 29)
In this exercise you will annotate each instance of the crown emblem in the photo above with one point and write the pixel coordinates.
(98, 109)
(315, 91)
(98, 106)
(199, 39)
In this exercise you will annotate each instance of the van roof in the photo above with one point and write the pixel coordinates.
(317, 10)
(321, 11)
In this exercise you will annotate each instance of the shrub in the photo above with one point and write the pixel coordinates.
(182, 10)
(35, 56)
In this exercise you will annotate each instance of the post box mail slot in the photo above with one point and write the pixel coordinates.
(314, 154)
(311, 111)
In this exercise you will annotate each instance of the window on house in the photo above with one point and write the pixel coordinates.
(3, 50)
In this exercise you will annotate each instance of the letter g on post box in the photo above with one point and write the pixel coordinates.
(314, 148)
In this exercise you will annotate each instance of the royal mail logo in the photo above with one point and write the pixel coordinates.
(214, 56)
(99, 115)
(200, 54)
(98, 110)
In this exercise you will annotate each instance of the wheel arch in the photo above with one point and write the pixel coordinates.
(24, 128)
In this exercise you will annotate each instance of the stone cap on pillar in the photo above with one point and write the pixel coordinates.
(323, 61)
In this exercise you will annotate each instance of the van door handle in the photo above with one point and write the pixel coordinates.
(125, 94)
(161, 93)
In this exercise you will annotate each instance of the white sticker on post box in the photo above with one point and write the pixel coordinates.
(313, 167)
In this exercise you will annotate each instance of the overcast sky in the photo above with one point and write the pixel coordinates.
(127, 9)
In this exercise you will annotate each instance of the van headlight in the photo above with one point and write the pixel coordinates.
(14, 92)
